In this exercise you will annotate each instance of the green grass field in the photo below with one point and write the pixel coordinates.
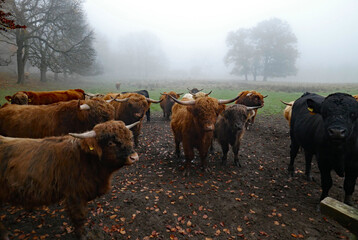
(276, 91)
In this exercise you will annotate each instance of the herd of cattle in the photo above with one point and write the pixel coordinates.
(44, 134)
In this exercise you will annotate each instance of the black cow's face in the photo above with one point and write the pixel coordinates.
(236, 116)
(339, 112)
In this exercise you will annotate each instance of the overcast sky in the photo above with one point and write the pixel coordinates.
(194, 31)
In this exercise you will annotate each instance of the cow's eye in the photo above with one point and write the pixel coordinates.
(111, 144)
(353, 115)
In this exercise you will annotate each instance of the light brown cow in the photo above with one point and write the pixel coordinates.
(167, 103)
(287, 112)
(193, 124)
(38, 121)
(76, 169)
(40, 98)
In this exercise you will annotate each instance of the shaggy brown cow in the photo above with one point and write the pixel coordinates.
(38, 121)
(287, 112)
(41, 98)
(251, 99)
(167, 103)
(76, 169)
(230, 129)
(193, 124)
(132, 110)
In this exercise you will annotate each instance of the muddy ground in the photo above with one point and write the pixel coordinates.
(153, 200)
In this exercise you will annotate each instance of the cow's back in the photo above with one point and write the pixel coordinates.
(306, 129)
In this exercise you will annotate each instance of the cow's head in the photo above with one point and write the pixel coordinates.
(205, 110)
(237, 115)
(111, 142)
(19, 98)
(339, 112)
(251, 98)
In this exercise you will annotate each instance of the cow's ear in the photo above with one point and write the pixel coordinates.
(8, 98)
(89, 145)
(313, 106)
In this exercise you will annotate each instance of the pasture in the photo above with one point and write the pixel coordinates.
(153, 200)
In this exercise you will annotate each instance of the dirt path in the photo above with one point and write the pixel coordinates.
(153, 200)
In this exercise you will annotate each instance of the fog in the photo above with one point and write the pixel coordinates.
(192, 34)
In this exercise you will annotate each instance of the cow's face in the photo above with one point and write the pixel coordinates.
(19, 98)
(236, 116)
(205, 112)
(339, 112)
(112, 144)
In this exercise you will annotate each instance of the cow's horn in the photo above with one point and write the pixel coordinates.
(191, 102)
(121, 100)
(90, 94)
(265, 96)
(228, 101)
(288, 104)
(207, 94)
(85, 107)
(253, 108)
(153, 101)
(89, 134)
(132, 125)
(202, 90)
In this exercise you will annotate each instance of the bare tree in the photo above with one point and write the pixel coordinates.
(269, 49)
(48, 33)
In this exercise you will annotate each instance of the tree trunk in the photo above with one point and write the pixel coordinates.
(43, 71)
(20, 56)
(245, 76)
(56, 77)
(264, 78)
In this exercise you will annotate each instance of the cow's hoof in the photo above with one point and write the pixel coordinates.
(348, 200)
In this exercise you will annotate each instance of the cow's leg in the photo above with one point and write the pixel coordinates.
(189, 156)
(225, 149)
(177, 147)
(235, 150)
(326, 181)
(163, 113)
(4, 234)
(78, 210)
(308, 158)
(349, 184)
(293, 153)
(148, 115)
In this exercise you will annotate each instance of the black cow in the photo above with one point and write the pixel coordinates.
(145, 94)
(328, 128)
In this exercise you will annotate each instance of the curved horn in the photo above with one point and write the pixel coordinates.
(180, 94)
(206, 94)
(132, 125)
(228, 101)
(85, 107)
(89, 134)
(90, 94)
(265, 96)
(286, 103)
(191, 102)
(121, 100)
(253, 108)
(153, 101)
(202, 90)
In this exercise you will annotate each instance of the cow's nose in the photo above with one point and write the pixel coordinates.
(132, 159)
(337, 132)
(209, 127)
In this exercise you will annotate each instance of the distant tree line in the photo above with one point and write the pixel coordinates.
(56, 37)
(268, 49)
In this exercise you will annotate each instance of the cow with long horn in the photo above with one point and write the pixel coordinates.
(193, 123)
(251, 99)
(38, 121)
(74, 168)
(131, 110)
(230, 129)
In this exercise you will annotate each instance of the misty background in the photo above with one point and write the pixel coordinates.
(188, 38)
